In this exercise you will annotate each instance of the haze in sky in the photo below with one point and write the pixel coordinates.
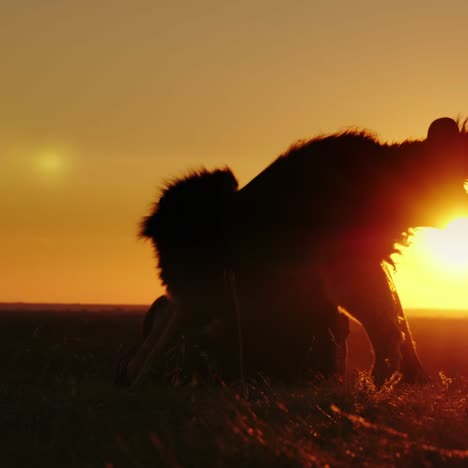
(102, 101)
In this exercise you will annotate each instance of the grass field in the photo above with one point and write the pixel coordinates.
(58, 405)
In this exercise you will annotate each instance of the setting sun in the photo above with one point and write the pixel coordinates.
(432, 273)
(449, 247)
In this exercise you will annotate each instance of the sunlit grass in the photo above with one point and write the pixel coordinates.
(59, 407)
(315, 425)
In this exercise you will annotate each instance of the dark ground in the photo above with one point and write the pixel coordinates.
(58, 405)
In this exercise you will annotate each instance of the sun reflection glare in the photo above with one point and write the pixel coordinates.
(52, 162)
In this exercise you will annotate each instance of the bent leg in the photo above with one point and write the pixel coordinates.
(329, 330)
(320, 328)
(367, 292)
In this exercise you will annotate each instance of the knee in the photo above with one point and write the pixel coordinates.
(158, 307)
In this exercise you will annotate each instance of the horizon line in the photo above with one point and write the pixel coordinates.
(115, 304)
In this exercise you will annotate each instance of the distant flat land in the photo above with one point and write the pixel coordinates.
(442, 344)
(106, 330)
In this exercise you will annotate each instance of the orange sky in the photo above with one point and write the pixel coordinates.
(102, 100)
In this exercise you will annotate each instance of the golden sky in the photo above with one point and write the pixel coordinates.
(101, 101)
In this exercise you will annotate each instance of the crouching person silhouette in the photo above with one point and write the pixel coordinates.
(175, 350)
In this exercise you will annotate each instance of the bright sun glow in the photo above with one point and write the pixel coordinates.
(433, 272)
(449, 246)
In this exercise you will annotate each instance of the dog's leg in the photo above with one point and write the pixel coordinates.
(367, 292)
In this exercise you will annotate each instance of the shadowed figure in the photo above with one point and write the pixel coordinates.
(271, 263)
